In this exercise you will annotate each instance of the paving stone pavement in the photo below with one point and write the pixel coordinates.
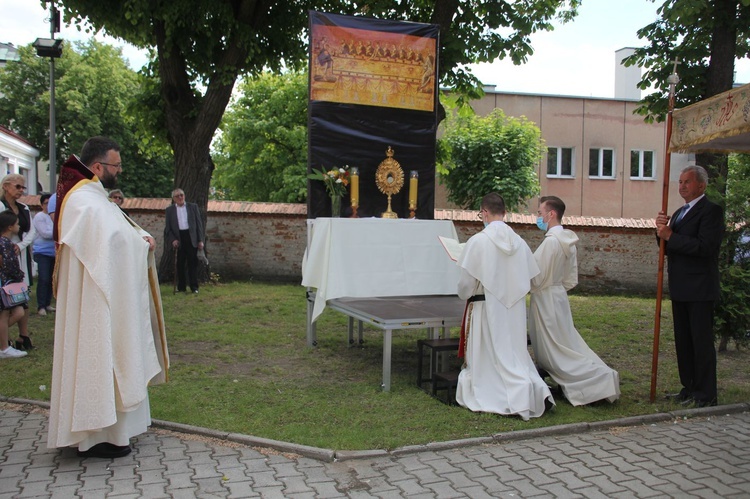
(696, 453)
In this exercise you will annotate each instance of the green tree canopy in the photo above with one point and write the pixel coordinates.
(494, 153)
(94, 91)
(706, 37)
(261, 154)
(202, 46)
(732, 320)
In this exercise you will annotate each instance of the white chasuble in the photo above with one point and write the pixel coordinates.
(558, 347)
(109, 328)
(498, 375)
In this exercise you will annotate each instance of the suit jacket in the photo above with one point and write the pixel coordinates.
(195, 225)
(693, 253)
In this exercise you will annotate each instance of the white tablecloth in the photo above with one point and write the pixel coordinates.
(376, 257)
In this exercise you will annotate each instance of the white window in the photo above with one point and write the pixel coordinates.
(642, 164)
(602, 163)
(560, 162)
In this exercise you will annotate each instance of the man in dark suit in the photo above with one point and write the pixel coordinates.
(693, 238)
(184, 232)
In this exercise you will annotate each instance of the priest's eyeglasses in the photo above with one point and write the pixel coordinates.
(113, 165)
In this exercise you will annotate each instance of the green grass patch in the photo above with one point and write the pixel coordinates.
(240, 363)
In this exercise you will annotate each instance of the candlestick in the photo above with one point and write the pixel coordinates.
(413, 180)
(354, 190)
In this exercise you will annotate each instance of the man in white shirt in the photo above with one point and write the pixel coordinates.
(184, 233)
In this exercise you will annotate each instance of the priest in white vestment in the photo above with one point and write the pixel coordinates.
(558, 347)
(496, 268)
(109, 328)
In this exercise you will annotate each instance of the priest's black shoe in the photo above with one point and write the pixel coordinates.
(106, 450)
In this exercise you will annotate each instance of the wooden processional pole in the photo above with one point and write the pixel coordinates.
(672, 80)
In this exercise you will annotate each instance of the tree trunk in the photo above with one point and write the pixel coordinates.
(720, 75)
(191, 121)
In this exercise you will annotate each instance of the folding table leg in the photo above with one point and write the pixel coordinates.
(312, 339)
(387, 341)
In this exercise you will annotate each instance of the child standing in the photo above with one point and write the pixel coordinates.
(10, 271)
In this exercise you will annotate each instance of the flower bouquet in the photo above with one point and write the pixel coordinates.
(335, 180)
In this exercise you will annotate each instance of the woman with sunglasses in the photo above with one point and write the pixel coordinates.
(13, 188)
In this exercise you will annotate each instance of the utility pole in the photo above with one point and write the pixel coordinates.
(54, 27)
(49, 47)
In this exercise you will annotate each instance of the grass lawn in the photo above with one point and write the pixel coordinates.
(240, 363)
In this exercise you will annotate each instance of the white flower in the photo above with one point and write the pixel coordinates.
(338, 180)
(342, 170)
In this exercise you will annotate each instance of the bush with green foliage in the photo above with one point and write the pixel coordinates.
(732, 318)
(96, 93)
(261, 154)
(493, 153)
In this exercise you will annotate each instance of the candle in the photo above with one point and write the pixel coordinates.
(413, 179)
(354, 190)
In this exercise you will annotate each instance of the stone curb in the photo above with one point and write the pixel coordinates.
(329, 455)
(249, 440)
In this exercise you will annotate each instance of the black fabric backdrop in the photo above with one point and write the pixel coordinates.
(359, 135)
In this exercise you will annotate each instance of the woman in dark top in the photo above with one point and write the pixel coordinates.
(13, 188)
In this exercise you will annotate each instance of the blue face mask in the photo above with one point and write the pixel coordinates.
(541, 223)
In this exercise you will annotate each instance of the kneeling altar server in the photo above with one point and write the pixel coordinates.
(558, 347)
(496, 270)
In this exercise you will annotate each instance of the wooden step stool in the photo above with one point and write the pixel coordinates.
(435, 346)
(447, 381)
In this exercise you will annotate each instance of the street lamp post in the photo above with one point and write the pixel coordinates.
(52, 48)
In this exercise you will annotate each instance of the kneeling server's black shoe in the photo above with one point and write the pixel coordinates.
(106, 450)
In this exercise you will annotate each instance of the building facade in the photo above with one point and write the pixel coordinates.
(602, 159)
(18, 155)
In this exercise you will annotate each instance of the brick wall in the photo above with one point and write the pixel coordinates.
(610, 259)
(243, 246)
(267, 241)
(612, 256)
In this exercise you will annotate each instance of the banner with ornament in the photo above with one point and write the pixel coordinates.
(373, 99)
(719, 124)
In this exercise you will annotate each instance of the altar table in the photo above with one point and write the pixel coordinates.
(367, 257)
(400, 312)
(375, 258)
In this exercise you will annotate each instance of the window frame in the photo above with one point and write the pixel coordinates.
(600, 159)
(642, 164)
(559, 165)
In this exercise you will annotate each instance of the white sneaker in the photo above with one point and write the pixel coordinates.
(50, 309)
(42, 312)
(11, 353)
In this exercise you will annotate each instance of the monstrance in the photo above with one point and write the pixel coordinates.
(389, 178)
